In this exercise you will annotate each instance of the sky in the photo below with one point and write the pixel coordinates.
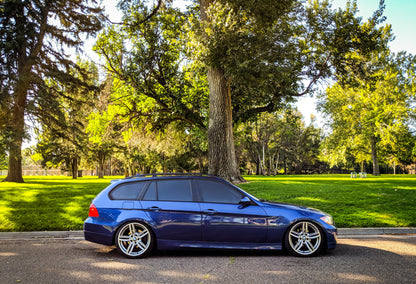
(401, 15)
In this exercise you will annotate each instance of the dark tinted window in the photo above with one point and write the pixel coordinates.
(217, 192)
(127, 191)
(174, 190)
(151, 192)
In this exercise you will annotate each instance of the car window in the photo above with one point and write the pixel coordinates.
(217, 192)
(174, 190)
(127, 191)
(151, 193)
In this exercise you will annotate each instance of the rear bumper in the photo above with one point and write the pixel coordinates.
(98, 233)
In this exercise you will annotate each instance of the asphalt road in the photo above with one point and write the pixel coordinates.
(381, 259)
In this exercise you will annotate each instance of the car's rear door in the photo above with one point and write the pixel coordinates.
(224, 219)
(170, 204)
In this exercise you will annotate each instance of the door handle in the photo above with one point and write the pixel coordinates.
(210, 211)
(153, 208)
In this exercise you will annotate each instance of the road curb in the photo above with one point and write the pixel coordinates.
(376, 231)
(79, 235)
(41, 235)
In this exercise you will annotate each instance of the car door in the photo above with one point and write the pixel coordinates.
(170, 204)
(224, 219)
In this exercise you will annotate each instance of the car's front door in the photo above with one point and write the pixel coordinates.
(224, 219)
(170, 205)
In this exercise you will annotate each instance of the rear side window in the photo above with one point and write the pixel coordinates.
(127, 191)
(174, 190)
(151, 194)
(217, 192)
(169, 190)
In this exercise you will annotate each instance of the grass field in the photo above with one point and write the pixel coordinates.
(61, 203)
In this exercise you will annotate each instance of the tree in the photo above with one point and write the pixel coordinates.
(262, 55)
(280, 142)
(33, 35)
(62, 140)
(370, 115)
(256, 57)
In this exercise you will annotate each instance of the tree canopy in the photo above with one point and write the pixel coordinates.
(33, 37)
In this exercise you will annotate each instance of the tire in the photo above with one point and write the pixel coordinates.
(134, 240)
(304, 239)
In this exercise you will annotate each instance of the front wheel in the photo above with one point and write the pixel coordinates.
(304, 239)
(134, 240)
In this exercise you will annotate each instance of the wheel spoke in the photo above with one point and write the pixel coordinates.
(315, 235)
(130, 248)
(295, 234)
(124, 238)
(141, 245)
(305, 227)
(298, 245)
(132, 229)
(143, 233)
(309, 246)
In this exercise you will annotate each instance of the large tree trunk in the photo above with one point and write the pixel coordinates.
(17, 124)
(221, 150)
(14, 173)
(376, 167)
(222, 158)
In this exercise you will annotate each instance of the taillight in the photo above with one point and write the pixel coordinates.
(93, 211)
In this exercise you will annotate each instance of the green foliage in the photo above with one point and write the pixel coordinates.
(62, 137)
(371, 118)
(280, 143)
(151, 60)
(273, 51)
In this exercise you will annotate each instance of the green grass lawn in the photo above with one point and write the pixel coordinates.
(61, 203)
(386, 201)
(47, 203)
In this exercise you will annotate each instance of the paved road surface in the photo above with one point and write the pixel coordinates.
(382, 259)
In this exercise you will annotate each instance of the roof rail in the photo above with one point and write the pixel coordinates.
(169, 174)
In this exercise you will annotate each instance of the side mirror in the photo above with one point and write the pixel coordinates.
(244, 202)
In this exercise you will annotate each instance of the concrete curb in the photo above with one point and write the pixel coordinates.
(19, 236)
(375, 231)
(79, 235)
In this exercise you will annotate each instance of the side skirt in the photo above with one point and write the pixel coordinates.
(174, 244)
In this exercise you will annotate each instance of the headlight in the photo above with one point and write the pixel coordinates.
(328, 219)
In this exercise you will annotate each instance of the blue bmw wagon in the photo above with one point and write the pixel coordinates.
(144, 212)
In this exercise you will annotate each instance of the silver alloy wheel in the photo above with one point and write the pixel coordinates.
(134, 240)
(305, 238)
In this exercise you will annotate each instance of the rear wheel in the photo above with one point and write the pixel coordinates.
(304, 239)
(134, 240)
